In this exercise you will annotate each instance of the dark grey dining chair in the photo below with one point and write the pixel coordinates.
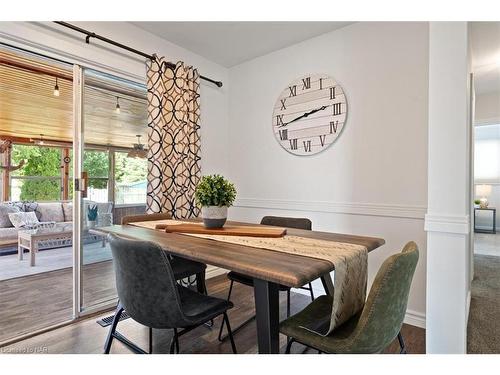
(148, 291)
(372, 329)
(183, 268)
(277, 221)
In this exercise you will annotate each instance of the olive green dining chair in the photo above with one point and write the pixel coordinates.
(372, 329)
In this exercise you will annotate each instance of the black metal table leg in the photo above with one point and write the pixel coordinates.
(267, 315)
(327, 282)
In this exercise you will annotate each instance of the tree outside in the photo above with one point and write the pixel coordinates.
(43, 165)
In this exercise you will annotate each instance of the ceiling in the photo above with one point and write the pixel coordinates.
(485, 48)
(232, 43)
(28, 107)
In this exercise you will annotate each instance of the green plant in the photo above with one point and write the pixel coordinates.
(92, 212)
(477, 201)
(215, 190)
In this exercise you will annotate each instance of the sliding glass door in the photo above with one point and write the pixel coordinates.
(112, 168)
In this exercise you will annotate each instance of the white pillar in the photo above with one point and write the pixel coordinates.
(448, 221)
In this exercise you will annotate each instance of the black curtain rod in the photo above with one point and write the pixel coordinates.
(91, 34)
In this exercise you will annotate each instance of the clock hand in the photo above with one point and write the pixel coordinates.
(306, 114)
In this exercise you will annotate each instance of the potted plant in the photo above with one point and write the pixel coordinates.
(214, 194)
(92, 215)
(477, 203)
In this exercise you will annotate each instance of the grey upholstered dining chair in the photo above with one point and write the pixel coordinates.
(375, 327)
(148, 291)
(277, 221)
(183, 268)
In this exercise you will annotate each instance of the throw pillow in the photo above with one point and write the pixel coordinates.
(5, 210)
(21, 219)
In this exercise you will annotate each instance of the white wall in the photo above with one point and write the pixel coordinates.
(373, 180)
(447, 220)
(487, 109)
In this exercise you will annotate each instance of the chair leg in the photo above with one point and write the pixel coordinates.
(201, 286)
(112, 329)
(289, 345)
(228, 299)
(402, 344)
(174, 344)
(230, 333)
(150, 340)
(311, 290)
(288, 303)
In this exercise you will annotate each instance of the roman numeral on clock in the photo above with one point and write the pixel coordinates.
(293, 91)
(283, 134)
(279, 120)
(321, 83)
(337, 109)
(307, 145)
(306, 83)
(283, 104)
(322, 139)
(332, 92)
(293, 144)
(333, 126)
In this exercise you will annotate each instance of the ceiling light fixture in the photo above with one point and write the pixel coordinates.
(56, 89)
(117, 108)
(138, 152)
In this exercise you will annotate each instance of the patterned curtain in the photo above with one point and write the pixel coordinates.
(173, 138)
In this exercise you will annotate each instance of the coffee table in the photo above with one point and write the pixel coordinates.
(31, 238)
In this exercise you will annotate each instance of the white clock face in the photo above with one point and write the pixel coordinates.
(309, 114)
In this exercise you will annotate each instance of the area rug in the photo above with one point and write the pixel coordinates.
(483, 331)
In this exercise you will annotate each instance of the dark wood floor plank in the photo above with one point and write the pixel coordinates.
(35, 302)
(87, 336)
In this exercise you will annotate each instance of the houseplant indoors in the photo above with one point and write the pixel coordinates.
(92, 215)
(214, 194)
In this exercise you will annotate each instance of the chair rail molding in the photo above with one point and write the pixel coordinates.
(456, 224)
(350, 208)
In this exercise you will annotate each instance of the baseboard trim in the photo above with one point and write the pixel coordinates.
(213, 271)
(415, 318)
(351, 208)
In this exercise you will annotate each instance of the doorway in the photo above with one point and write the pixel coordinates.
(69, 138)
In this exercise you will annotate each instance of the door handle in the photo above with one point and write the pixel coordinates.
(81, 184)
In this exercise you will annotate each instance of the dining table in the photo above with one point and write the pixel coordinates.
(269, 269)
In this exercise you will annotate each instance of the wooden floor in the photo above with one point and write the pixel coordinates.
(87, 336)
(37, 301)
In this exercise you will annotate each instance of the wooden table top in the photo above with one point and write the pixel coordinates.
(287, 269)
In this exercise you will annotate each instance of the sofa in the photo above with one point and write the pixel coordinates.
(56, 211)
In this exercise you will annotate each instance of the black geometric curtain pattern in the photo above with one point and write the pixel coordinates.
(173, 138)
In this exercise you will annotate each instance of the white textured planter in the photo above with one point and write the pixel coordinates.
(214, 216)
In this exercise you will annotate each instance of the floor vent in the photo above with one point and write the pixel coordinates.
(104, 322)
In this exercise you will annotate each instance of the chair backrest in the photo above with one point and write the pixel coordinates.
(385, 308)
(145, 283)
(145, 217)
(287, 222)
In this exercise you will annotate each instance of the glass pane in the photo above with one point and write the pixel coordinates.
(35, 189)
(96, 163)
(130, 179)
(114, 113)
(39, 291)
(40, 177)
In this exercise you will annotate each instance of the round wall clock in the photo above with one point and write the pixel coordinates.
(309, 114)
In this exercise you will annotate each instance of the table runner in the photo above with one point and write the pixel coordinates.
(349, 260)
